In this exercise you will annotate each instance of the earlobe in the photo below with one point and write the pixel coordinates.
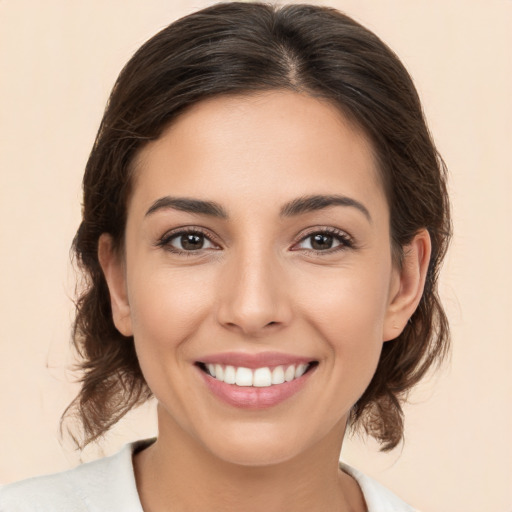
(114, 271)
(408, 289)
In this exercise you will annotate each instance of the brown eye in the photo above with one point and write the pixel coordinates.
(186, 241)
(321, 241)
(325, 241)
(191, 242)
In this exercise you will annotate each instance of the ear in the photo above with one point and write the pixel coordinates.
(114, 270)
(407, 285)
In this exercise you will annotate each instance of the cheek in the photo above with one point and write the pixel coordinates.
(348, 311)
(167, 309)
(348, 302)
(167, 306)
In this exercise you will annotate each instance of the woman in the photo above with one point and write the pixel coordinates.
(264, 218)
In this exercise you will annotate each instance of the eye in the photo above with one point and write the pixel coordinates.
(186, 241)
(326, 240)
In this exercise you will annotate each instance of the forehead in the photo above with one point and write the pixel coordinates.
(276, 143)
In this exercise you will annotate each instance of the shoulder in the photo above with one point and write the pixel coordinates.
(105, 484)
(378, 498)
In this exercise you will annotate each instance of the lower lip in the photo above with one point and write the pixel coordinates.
(249, 397)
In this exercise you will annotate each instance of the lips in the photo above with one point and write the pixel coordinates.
(255, 380)
(270, 359)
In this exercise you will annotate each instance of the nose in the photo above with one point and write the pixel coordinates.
(254, 297)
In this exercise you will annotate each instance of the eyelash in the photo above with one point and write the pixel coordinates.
(345, 241)
(165, 241)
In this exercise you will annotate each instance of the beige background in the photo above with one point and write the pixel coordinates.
(58, 61)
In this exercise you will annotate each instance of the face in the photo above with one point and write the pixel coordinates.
(257, 277)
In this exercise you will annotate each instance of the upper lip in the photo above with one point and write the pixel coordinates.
(252, 361)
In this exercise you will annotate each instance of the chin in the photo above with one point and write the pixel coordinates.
(260, 445)
(256, 455)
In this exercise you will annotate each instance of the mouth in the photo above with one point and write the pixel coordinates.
(255, 382)
(262, 377)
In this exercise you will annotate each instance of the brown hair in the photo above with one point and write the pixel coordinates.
(240, 48)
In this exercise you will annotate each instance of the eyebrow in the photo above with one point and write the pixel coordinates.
(186, 204)
(299, 206)
(312, 203)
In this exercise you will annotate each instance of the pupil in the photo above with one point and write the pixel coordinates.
(192, 242)
(321, 241)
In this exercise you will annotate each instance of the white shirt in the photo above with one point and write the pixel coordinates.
(108, 485)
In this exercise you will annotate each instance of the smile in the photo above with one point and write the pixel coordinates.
(257, 382)
(258, 377)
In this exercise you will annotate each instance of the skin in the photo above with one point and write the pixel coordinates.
(256, 286)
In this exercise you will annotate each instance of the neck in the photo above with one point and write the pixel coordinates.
(177, 473)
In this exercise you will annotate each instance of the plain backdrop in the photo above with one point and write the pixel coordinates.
(58, 62)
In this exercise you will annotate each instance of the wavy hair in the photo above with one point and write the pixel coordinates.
(234, 48)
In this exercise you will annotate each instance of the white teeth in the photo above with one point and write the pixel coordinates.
(289, 374)
(243, 377)
(300, 370)
(278, 375)
(219, 372)
(259, 377)
(230, 375)
(262, 378)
